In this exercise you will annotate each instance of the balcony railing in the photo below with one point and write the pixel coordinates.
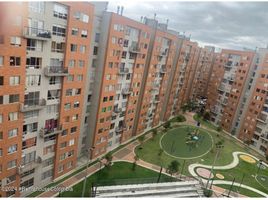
(44, 132)
(123, 70)
(56, 71)
(134, 48)
(36, 33)
(126, 91)
(26, 167)
(33, 105)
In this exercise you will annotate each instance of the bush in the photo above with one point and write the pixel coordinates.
(267, 157)
(180, 118)
(167, 125)
(206, 116)
(219, 128)
(208, 192)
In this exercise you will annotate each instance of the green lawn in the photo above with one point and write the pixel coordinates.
(204, 122)
(118, 172)
(174, 143)
(242, 191)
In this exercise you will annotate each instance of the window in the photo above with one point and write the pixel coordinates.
(31, 99)
(34, 45)
(53, 94)
(12, 164)
(73, 47)
(29, 128)
(11, 179)
(12, 133)
(97, 37)
(28, 183)
(84, 33)
(1, 100)
(69, 92)
(77, 91)
(71, 142)
(71, 63)
(33, 62)
(1, 60)
(79, 77)
(67, 106)
(54, 80)
(1, 80)
(95, 50)
(54, 108)
(16, 41)
(63, 145)
(29, 158)
(61, 168)
(36, 6)
(57, 47)
(75, 117)
(59, 30)
(76, 104)
(47, 174)
(14, 61)
(81, 16)
(14, 98)
(31, 114)
(1, 135)
(81, 63)
(33, 80)
(14, 80)
(60, 11)
(1, 152)
(12, 148)
(70, 77)
(73, 129)
(12, 116)
(1, 120)
(75, 31)
(82, 49)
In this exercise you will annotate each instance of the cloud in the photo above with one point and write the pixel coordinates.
(222, 24)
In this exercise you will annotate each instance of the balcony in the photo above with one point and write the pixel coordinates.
(126, 91)
(123, 70)
(44, 132)
(26, 167)
(36, 33)
(134, 48)
(264, 136)
(163, 70)
(117, 110)
(37, 104)
(262, 118)
(56, 71)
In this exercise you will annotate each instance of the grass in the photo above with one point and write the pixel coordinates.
(118, 172)
(242, 191)
(174, 143)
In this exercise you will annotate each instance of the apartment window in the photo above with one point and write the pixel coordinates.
(28, 158)
(97, 37)
(11, 179)
(1, 120)
(1, 100)
(56, 62)
(54, 80)
(75, 31)
(14, 80)
(75, 117)
(34, 45)
(47, 162)
(1, 152)
(71, 63)
(69, 165)
(1, 61)
(15, 41)
(57, 47)
(12, 116)
(81, 63)
(76, 104)
(82, 49)
(73, 129)
(14, 61)
(73, 47)
(53, 94)
(60, 11)
(12, 133)
(33, 62)
(29, 128)
(81, 16)
(33, 80)
(1, 80)
(67, 106)
(71, 142)
(59, 30)
(69, 92)
(12, 149)
(31, 99)
(14, 98)
(70, 77)
(1, 135)
(31, 114)
(36, 6)
(12, 164)
(54, 108)
(28, 183)
(77, 91)
(84, 33)
(47, 174)
(95, 51)
(61, 168)
(79, 77)
(63, 145)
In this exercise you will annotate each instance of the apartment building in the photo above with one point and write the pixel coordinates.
(253, 126)
(203, 73)
(44, 57)
(228, 82)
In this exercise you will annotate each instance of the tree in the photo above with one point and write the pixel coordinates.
(180, 118)
(206, 116)
(160, 152)
(173, 167)
(167, 125)
(109, 159)
(219, 128)
(141, 140)
(184, 108)
(136, 158)
(154, 133)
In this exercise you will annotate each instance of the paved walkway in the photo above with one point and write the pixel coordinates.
(126, 154)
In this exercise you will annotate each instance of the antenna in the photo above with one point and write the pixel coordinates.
(118, 9)
(154, 16)
(167, 21)
(141, 18)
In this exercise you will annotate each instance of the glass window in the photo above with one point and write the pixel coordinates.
(75, 31)
(37, 6)
(12, 133)
(59, 30)
(84, 33)
(14, 98)
(14, 61)
(14, 80)
(82, 49)
(16, 41)
(73, 47)
(1, 60)
(12, 116)
(60, 11)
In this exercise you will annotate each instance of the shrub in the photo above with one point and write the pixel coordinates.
(173, 167)
(208, 192)
(180, 118)
(167, 125)
(206, 116)
(154, 133)
(267, 157)
(219, 128)
(160, 152)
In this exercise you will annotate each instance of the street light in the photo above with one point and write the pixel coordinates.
(259, 167)
(218, 147)
(241, 182)
(89, 151)
(231, 185)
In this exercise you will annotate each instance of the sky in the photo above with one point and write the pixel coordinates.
(234, 25)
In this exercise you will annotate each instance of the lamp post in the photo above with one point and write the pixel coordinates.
(231, 186)
(241, 182)
(259, 167)
(218, 147)
(85, 178)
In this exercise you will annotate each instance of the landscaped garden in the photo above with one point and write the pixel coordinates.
(119, 172)
(194, 145)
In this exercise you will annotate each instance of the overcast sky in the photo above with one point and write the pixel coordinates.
(222, 24)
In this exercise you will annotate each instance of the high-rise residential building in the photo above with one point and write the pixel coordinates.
(44, 51)
(229, 77)
(253, 127)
